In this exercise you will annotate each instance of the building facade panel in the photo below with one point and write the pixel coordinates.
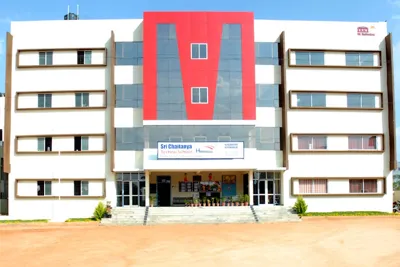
(201, 71)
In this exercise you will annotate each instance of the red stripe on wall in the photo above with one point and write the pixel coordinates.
(198, 27)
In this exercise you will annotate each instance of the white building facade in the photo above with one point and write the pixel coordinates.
(127, 112)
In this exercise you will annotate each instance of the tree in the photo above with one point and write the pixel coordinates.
(396, 182)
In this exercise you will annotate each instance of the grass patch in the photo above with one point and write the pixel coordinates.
(81, 220)
(23, 221)
(348, 213)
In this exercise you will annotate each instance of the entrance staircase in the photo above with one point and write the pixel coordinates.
(126, 216)
(267, 214)
(200, 215)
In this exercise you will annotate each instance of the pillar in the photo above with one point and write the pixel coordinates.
(147, 188)
(251, 193)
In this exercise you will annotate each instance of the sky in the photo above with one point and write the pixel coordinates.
(335, 10)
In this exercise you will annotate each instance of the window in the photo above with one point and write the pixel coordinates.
(268, 138)
(81, 143)
(84, 57)
(313, 186)
(362, 142)
(363, 186)
(311, 99)
(45, 58)
(44, 188)
(359, 59)
(312, 142)
(361, 100)
(268, 95)
(310, 58)
(199, 51)
(199, 95)
(224, 138)
(129, 53)
(81, 188)
(44, 100)
(45, 144)
(81, 99)
(200, 138)
(266, 53)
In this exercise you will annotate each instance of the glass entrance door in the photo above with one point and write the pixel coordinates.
(267, 188)
(130, 189)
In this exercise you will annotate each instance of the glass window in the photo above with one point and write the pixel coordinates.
(268, 138)
(361, 100)
(199, 95)
(88, 57)
(363, 186)
(129, 53)
(311, 99)
(84, 143)
(199, 51)
(266, 53)
(45, 58)
(312, 142)
(41, 144)
(268, 95)
(44, 100)
(313, 186)
(359, 59)
(44, 188)
(81, 99)
(362, 142)
(310, 58)
(85, 188)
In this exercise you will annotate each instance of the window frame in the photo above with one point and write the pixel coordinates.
(85, 53)
(81, 184)
(313, 186)
(197, 46)
(362, 142)
(44, 139)
(363, 186)
(310, 59)
(359, 60)
(199, 88)
(47, 192)
(312, 95)
(47, 56)
(47, 100)
(81, 139)
(361, 97)
(312, 137)
(80, 97)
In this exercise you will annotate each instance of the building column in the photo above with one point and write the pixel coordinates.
(147, 188)
(251, 187)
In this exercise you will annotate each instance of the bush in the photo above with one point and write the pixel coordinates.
(300, 207)
(99, 211)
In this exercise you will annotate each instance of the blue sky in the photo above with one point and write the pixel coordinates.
(345, 10)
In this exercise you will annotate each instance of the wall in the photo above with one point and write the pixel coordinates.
(57, 34)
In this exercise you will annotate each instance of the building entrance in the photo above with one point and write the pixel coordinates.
(164, 191)
(131, 189)
(267, 188)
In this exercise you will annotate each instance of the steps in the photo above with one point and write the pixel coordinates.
(267, 214)
(126, 216)
(200, 215)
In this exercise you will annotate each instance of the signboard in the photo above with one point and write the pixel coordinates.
(366, 31)
(200, 150)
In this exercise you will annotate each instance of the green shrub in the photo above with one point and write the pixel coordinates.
(300, 207)
(99, 211)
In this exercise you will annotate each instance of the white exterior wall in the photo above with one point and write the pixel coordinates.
(57, 34)
(2, 109)
(319, 35)
(334, 35)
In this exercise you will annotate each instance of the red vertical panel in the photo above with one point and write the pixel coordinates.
(149, 66)
(198, 27)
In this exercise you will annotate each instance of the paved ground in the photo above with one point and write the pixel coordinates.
(362, 241)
